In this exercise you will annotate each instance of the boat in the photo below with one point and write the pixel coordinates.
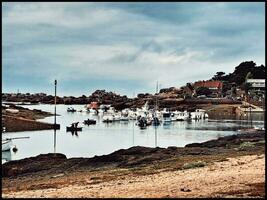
(73, 129)
(7, 144)
(89, 121)
(124, 118)
(71, 109)
(199, 114)
(6, 156)
(155, 121)
(107, 118)
(182, 116)
(142, 122)
(166, 116)
(116, 117)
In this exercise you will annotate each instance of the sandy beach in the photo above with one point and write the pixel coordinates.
(237, 177)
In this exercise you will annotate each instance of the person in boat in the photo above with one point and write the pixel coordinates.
(74, 125)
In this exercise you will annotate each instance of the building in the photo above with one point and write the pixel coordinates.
(257, 88)
(257, 83)
(212, 85)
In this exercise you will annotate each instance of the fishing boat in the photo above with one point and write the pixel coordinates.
(124, 118)
(155, 121)
(166, 115)
(7, 144)
(142, 122)
(89, 121)
(198, 114)
(181, 116)
(73, 129)
(71, 109)
(107, 118)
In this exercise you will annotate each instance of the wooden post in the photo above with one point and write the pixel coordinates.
(55, 122)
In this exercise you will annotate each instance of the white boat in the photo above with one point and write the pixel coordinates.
(124, 118)
(166, 116)
(93, 111)
(107, 118)
(182, 116)
(199, 114)
(6, 144)
(116, 117)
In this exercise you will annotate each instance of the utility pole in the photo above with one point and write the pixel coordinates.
(55, 122)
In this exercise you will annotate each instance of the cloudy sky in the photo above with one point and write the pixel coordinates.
(125, 47)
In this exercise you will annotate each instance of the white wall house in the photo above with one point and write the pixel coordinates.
(257, 83)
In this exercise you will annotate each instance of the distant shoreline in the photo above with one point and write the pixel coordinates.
(24, 119)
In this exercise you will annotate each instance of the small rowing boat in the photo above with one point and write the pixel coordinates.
(89, 121)
(73, 129)
(6, 144)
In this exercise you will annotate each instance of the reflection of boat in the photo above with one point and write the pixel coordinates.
(7, 144)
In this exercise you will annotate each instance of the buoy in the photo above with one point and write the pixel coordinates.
(15, 149)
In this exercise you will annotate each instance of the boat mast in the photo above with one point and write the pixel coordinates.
(156, 107)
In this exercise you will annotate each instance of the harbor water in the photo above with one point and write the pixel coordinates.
(103, 138)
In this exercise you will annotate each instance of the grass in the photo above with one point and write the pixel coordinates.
(194, 165)
(245, 146)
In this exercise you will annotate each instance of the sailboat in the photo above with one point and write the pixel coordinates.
(155, 119)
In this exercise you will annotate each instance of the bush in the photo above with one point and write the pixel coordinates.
(194, 165)
(245, 145)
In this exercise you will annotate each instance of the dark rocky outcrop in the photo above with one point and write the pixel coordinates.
(232, 139)
(127, 158)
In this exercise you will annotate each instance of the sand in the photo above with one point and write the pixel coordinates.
(242, 176)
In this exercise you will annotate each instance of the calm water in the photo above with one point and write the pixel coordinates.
(104, 138)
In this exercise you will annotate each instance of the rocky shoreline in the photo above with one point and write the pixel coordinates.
(55, 171)
(16, 118)
(167, 98)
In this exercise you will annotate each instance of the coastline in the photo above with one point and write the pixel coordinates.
(24, 119)
(155, 171)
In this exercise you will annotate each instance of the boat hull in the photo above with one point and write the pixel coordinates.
(71, 129)
(6, 145)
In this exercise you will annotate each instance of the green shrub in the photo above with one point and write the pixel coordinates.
(245, 145)
(194, 165)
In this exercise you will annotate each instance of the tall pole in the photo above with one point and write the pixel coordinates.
(55, 122)
(156, 97)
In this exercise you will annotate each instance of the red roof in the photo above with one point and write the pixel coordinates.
(209, 84)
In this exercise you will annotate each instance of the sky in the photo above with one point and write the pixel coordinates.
(125, 47)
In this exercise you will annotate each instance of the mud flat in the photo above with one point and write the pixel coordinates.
(231, 166)
(24, 119)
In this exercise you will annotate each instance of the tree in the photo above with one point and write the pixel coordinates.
(248, 76)
(203, 91)
(189, 85)
(218, 76)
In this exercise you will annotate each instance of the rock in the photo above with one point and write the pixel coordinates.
(185, 190)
